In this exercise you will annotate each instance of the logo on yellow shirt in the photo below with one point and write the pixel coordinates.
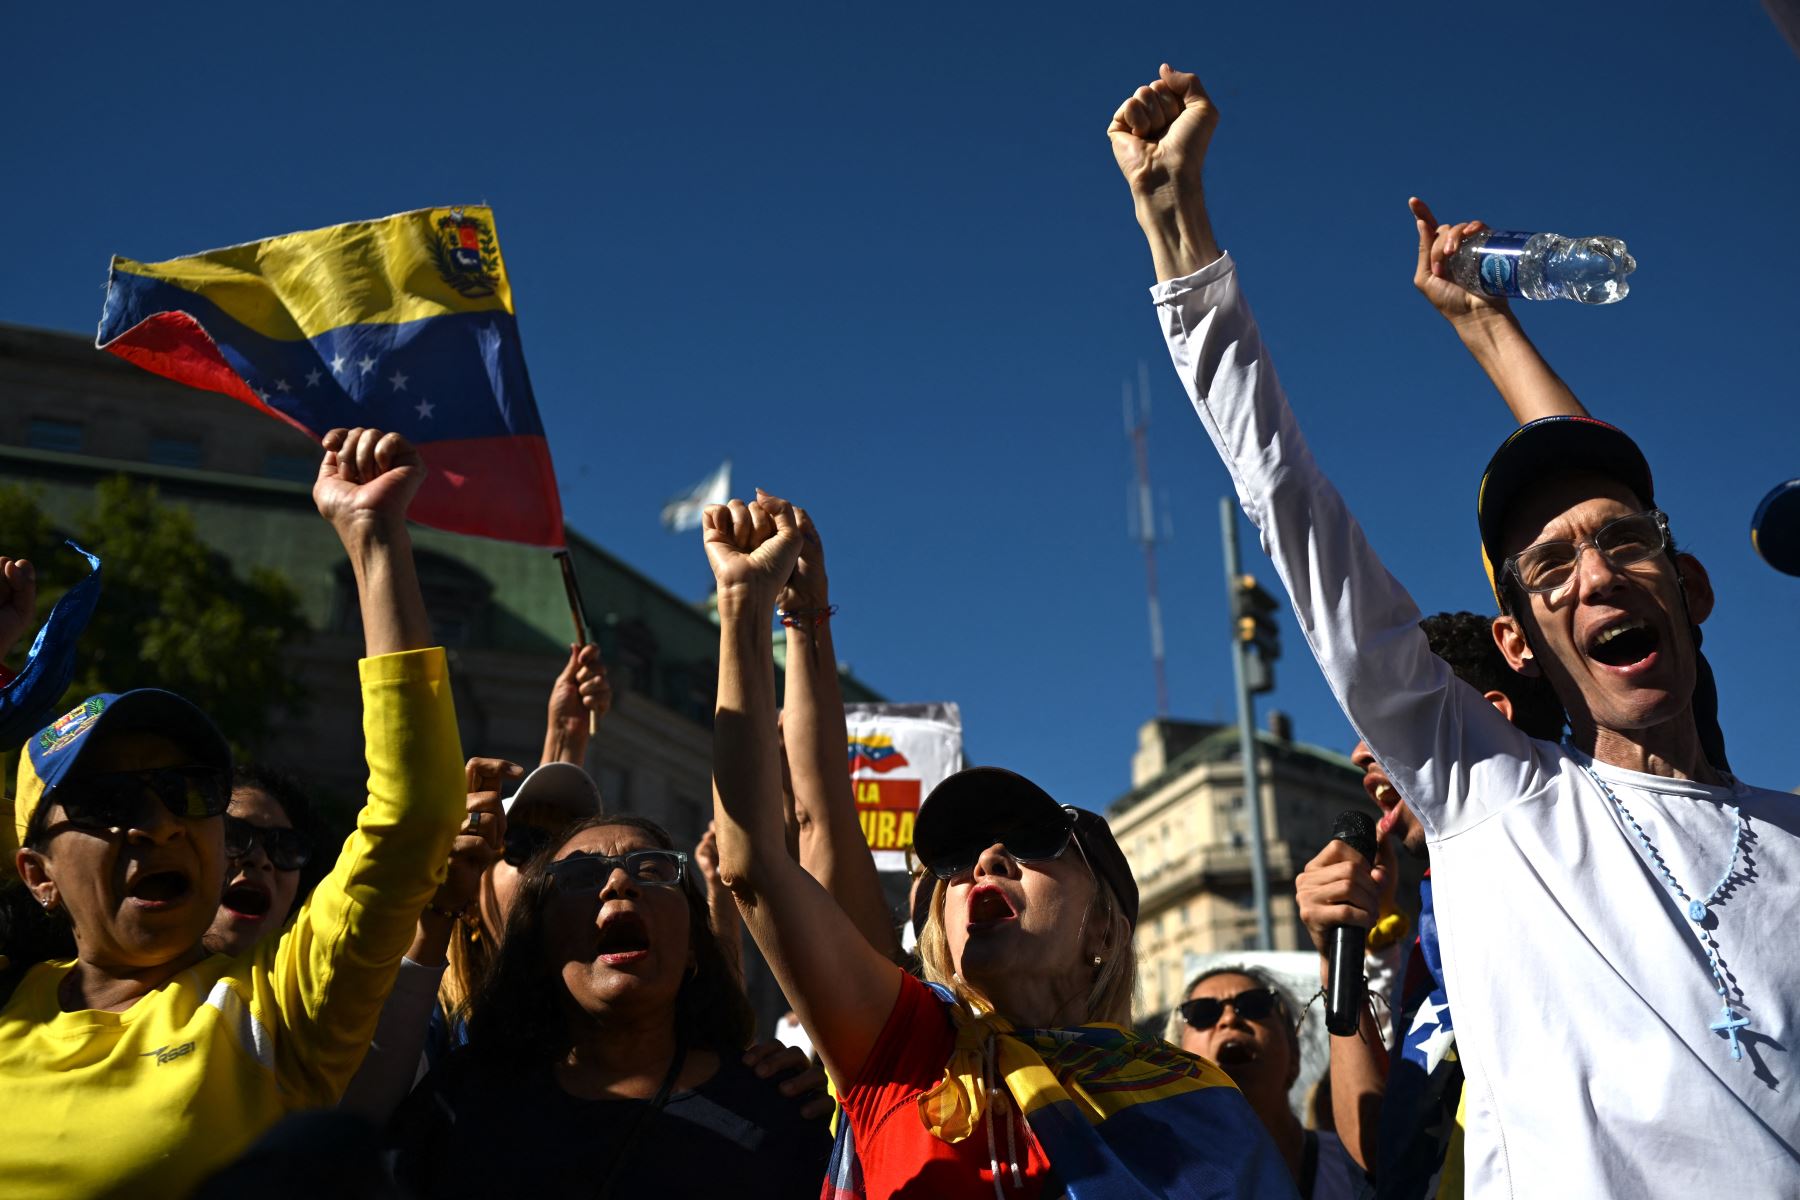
(168, 1054)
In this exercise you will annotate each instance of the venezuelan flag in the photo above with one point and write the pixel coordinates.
(403, 324)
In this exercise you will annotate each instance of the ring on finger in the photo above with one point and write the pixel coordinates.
(473, 824)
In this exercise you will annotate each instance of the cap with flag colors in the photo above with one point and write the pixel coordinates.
(682, 512)
(402, 324)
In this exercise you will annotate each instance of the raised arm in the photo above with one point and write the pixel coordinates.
(1159, 138)
(842, 989)
(323, 982)
(1489, 331)
(1425, 727)
(365, 483)
(832, 846)
(579, 700)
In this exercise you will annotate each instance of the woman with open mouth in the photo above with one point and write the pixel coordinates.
(604, 1045)
(266, 848)
(145, 1062)
(1014, 1073)
(1242, 1018)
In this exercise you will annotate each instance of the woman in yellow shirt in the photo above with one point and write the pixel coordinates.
(143, 1064)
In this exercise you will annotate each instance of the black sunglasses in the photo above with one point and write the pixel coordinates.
(1254, 1004)
(1027, 841)
(588, 873)
(286, 849)
(115, 799)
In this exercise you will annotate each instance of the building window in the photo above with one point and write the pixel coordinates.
(48, 433)
(297, 468)
(175, 452)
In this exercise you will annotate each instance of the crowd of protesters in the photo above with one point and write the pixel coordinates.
(503, 988)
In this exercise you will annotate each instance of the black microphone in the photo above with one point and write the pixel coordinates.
(1775, 529)
(1344, 983)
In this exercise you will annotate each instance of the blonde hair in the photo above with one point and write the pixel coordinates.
(1114, 985)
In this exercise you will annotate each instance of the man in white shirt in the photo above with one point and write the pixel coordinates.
(1615, 911)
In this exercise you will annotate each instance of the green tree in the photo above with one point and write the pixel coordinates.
(173, 613)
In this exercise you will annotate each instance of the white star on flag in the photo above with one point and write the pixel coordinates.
(398, 379)
(365, 364)
(312, 377)
(683, 511)
(1434, 1044)
(337, 364)
(425, 408)
(281, 386)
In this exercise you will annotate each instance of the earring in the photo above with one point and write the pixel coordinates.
(1098, 960)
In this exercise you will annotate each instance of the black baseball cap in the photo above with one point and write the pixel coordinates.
(1545, 447)
(979, 799)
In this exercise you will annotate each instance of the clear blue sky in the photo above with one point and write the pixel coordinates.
(883, 260)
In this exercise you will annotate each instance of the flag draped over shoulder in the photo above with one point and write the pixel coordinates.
(1118, 1116)
(402, 324)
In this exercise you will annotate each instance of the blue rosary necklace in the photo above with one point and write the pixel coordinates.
(1730, 1021)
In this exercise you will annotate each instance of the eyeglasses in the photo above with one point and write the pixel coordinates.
(286, 849)
(588, 873)
(1254, 1004)
(115, 799)
(1623, 542)
(1030, 841)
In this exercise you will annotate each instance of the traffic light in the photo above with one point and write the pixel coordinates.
(1253, 621)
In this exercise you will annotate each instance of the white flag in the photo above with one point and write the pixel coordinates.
(682, 512)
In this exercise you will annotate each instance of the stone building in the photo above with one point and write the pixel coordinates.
(71, 416)
(1184, 827)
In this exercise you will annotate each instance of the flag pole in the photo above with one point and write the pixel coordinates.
(572, 588)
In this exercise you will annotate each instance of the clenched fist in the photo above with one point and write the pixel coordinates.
(367, 478)
(752, 548)
(1159, 135)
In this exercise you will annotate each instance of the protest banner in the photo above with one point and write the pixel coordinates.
(897, 754)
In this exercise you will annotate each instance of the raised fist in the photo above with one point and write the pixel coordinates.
(752, 547)
(807, 586)
(18, 601)
(366, 478)
(1159, 135)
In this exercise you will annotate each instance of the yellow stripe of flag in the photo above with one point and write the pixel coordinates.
(300, 285)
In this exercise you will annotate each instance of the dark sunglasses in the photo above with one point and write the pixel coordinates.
(586, 874)
(116, 799)
(286, 849)
(1253, 1005)
(1025, 841)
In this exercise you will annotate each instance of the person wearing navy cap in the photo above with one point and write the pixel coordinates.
(1614, 909)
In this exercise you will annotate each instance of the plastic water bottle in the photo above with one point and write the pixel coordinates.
(1543, 266)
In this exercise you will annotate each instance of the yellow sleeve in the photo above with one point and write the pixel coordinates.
(318, 990)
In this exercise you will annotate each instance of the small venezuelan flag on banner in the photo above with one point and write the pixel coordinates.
(403, 324)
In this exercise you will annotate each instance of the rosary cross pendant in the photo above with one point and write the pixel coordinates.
(1728, 1024)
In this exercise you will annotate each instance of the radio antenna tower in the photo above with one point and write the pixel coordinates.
(1140, 520)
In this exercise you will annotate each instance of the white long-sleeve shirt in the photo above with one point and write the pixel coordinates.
(1582, 995)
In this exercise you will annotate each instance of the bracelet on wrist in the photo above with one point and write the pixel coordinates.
(805, 618)
(449, 914)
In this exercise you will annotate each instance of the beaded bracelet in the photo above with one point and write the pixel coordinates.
(449, 914)
(806, 618)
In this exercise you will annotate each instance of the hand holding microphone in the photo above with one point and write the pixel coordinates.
(1341, 895)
